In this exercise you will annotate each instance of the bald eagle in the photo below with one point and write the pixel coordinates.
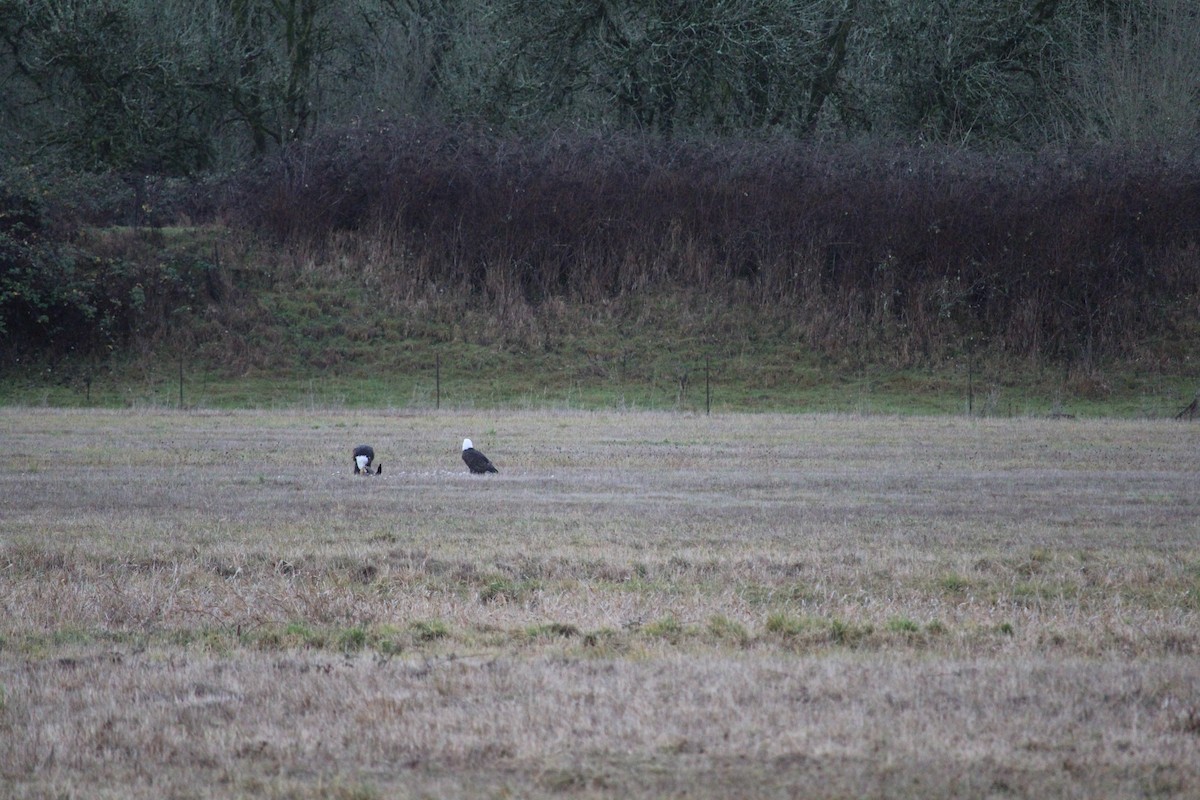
(363, 456)
(476, 460)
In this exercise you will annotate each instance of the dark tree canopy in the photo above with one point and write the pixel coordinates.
(179, 86)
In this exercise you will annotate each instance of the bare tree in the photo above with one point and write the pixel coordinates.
(962, 71)
(1137, 78)
(668, 65)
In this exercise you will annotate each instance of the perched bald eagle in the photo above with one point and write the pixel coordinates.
(476, 460)
(363, 456)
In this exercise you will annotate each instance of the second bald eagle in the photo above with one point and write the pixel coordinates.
(475, 460)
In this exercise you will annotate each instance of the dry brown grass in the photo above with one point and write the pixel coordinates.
(638, 605)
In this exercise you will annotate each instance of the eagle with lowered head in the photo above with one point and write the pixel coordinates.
(364, 454)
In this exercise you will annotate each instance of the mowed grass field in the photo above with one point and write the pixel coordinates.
(643, 605)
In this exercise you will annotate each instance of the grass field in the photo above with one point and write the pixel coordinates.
(209, 604)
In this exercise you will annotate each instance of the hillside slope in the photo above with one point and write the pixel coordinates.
(411, 266)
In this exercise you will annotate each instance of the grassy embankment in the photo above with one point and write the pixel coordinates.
(287, 336)
(642, 604)
(583, 271)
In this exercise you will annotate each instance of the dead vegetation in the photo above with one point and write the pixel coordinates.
(642, 605)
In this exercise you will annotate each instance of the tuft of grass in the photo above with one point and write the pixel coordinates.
(848, 633)
(304, 635)
(785, 624)
(903, 625)
(429, 630)
(724, 629)
(953, 583)
(353, 639)
(814, 630)
(604, 642)
(669, 628)
(553, 630)
(71, 636)
(500, 591)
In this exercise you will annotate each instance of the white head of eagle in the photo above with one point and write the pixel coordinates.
(476, 461)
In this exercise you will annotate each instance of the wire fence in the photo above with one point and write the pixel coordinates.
(699, 385)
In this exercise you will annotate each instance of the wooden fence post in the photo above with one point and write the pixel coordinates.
(707, 385)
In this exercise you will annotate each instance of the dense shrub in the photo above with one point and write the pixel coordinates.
(63, 292)
(1068, 255)
(39, 294)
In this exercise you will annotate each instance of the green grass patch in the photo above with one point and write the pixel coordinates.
(724, 629)
(953, 583)
(302, 634)
(499, 590)
(428, 630)
(903, 625)
(786, 625)
(553, 630)
(818, 630)
(352, 639)
(848, 633)
(669, 628)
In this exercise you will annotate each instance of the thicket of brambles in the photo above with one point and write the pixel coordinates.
(1054, 255)
(1021, 175)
